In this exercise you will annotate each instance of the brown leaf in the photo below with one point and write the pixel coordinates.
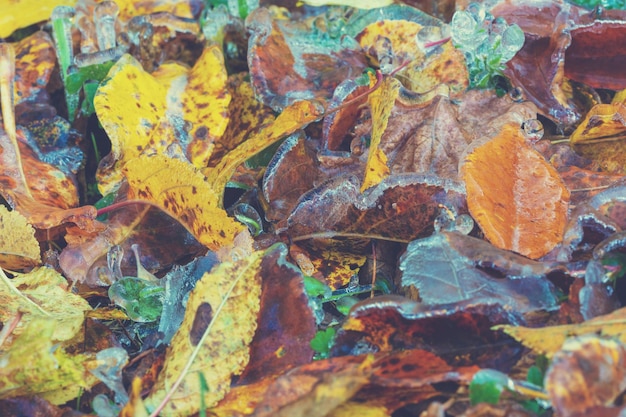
(400, 208)
(284, 329)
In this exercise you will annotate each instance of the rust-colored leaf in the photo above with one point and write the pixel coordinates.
(517, 198)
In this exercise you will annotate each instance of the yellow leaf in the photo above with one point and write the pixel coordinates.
(352, 408)
(34, 364)
(181, 191)
(179, 114)
(295, 116)
(218, 326)
(44, 293)
(17, 14)
(18, 247)
(549, 340)
(34, 360)
(602, 137)
(359, 4)
(381, 102)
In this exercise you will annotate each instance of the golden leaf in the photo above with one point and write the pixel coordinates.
(517, 198)
(218, 326)
(18, 247)
(35, 359)
(602, 137)
(180, 114)
(295, 116)
(180, 190)
(17, 14)
(549, 340)
(381, 102)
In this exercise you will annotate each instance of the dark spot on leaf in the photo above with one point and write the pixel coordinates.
(201, 321)
(201, 133)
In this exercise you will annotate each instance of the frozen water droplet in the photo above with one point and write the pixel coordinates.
(242, 10)
(335, 21)
(498, 25)
(512, 41)
(463, 29)
(532, 130)
(104, 16)
(213, 28)
(477, 11)
(517, 95)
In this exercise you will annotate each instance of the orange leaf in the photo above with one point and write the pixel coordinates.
(517, 198)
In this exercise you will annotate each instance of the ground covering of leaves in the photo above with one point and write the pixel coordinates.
(295, 209)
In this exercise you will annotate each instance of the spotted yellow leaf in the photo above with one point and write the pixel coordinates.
(219, 323)
(182, 191)
(381, 102)
(18, 246)
(17, 14)
(174, 112)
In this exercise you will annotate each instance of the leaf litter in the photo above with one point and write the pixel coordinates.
(233, 208)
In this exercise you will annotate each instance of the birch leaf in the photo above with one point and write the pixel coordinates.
(219, 324)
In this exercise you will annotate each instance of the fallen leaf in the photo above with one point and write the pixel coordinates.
(600, 136)
(52, 315)
(400, 208)
(516, 197)
(180, 190)
(291, 61)
(381, 102)
(23, 13)
(219, 324)
(586, 372)
(18, 247)
(390, 322)
(280, 341)
(441, 275)
(548, 340)
(293, 117)
(180, 115)
(35, 61)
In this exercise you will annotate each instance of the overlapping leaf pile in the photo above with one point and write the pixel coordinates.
(307, 211)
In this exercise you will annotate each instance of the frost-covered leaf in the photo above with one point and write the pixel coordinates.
(442, 275)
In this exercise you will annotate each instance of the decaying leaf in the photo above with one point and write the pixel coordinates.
(381, 102)
(587, 372)
(181, 191)
(180, 114)
(601, 136)
(18, 247)
(219, 324)
(517, 198)
(52, 315)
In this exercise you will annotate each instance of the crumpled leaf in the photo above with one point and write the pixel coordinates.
(401, 208)
(516, 197)
(442, 275)
(303, 394)
(586, 375)
(181, 191)
(52, 315)
(180, 115)
(219, 324)
(18, 247)
(381, 102)
(601, 135)
(390, 322)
